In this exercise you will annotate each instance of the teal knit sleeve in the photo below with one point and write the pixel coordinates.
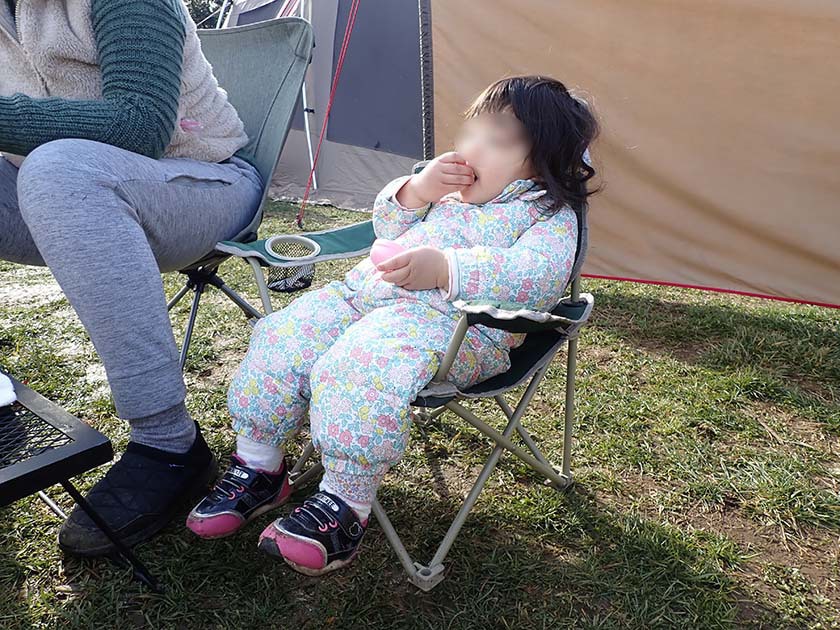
(141, 46)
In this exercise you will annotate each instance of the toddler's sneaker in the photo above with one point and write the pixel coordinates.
(240, 496)
(320, 536)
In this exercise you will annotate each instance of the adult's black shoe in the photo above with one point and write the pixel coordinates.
(139, 496)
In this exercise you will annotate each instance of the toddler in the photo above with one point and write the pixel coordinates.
(494, 219)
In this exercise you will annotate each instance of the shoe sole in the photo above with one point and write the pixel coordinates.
(208, 477)
(269, 546)
(256, 514)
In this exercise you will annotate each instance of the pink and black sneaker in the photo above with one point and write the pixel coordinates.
(320, 536)
(240, 496)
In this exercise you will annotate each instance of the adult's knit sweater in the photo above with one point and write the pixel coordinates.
(129, 73)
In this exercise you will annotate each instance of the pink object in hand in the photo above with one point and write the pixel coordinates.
(383, 249)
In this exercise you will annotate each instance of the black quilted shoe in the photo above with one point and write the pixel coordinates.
(139, 496)
(320, 536)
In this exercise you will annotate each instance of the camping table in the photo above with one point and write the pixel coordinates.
(41, 445)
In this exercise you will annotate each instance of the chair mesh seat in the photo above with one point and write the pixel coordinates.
(24, 435)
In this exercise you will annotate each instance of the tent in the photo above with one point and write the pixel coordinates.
(720, 148)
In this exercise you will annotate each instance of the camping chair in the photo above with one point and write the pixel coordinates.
(546, 333)
(262, 68)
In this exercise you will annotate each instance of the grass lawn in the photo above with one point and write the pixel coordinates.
(706, 456)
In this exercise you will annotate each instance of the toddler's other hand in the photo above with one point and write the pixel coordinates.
(417, 269)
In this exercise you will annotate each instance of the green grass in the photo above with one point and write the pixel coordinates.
(706, 458)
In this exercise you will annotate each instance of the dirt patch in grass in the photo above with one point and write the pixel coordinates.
(815, 552)
(32, 295)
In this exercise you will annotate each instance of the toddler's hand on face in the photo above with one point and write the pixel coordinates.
(446, 174)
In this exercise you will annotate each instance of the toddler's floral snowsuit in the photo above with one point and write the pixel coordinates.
(356, 353)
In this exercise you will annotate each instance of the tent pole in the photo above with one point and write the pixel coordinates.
(307, 111)
(222, 13)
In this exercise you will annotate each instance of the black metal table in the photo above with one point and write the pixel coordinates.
(42, 445)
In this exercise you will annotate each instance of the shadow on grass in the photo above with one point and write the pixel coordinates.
(545, 559)
(13, 576)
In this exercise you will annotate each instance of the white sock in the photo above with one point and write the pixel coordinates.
(362, 510)
(257, 455)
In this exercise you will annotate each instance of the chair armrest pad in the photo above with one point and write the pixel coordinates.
(338, 243)
(567, 316)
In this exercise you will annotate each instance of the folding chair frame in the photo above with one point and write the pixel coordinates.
(355, 240)
(267, 117)
(427, 576)
(197, 281)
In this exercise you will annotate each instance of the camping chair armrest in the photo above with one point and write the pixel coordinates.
(568, 316)
(345, 242)
(349, 241)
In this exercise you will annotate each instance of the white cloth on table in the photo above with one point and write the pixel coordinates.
(7, 392)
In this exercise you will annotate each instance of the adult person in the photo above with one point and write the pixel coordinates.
(130, 169)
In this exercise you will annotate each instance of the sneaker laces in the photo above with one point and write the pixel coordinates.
(230, 486)
(312, 505)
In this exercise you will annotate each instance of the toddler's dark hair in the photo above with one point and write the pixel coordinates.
(560, 128)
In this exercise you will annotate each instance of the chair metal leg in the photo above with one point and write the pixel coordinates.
(505, 441)
(421, 417)
(52, 505)
(532, 446)
(427, 577)
(568, 425)
(198, 281)
(308, 451)
(571, 369)
(141, 573)
(469, 502)
(424, 578)
(177, 297)
(259, 276)
(185, 348)
(305, 477)
(497, 437)
(238, 300)
(526, 437)
(298, 476)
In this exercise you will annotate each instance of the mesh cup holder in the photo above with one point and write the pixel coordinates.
(290, 279)
(290, 248)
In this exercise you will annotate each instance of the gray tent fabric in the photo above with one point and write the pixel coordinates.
(378, 100)
(244, 12)
(260, 14)
(378, 128)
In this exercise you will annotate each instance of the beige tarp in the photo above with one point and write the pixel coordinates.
(721, 128)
